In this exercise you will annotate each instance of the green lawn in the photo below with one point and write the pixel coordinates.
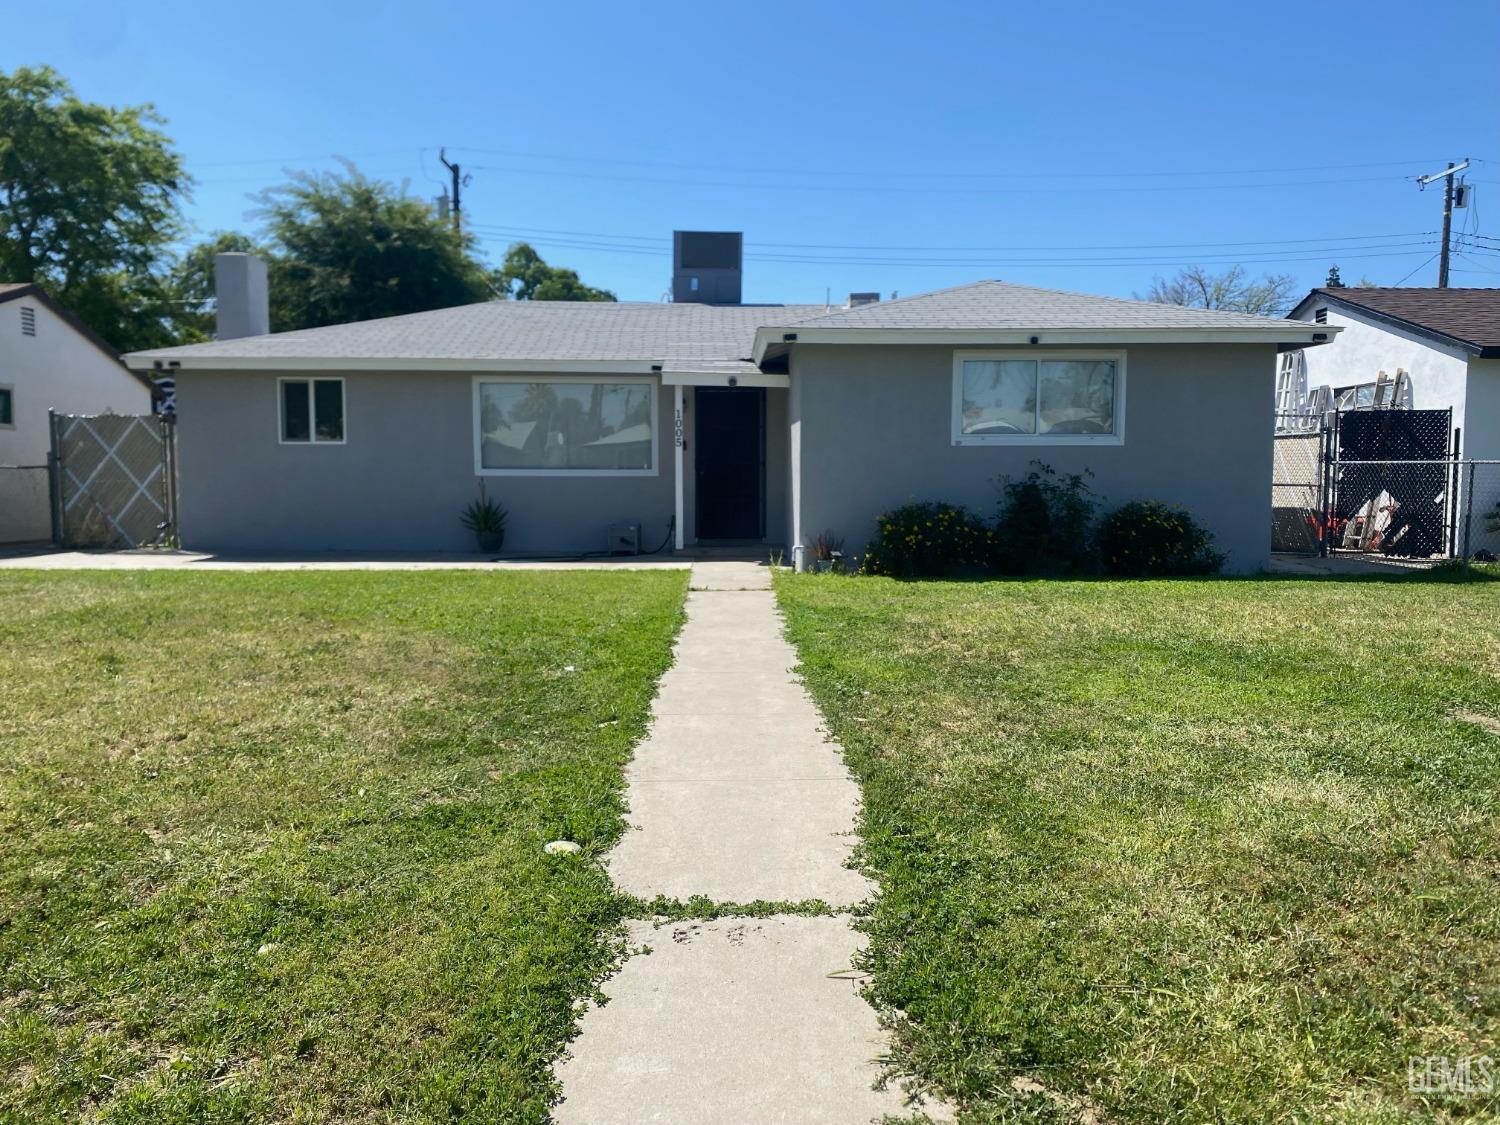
(1175, 851)
(271, 844)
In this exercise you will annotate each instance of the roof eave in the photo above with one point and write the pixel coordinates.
(166, 360)
(1281, 333)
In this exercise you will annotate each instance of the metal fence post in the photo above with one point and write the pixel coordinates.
(1469, 512)
(54, 479)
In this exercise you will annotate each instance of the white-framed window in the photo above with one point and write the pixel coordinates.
(1038, 397)
(7, 408)
(311, 411)
(565, 425)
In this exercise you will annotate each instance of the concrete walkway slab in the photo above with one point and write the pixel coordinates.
(726, 576)
(736, 793)
(731, 1022)
(740, 841)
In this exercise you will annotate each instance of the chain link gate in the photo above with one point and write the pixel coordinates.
(114, 480)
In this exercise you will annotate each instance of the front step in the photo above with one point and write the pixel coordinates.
(730, 552)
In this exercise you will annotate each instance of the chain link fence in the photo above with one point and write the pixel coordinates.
(1297, 500)
(114, 480)
(25, 504)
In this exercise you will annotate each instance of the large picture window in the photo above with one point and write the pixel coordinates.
(1048, 398)
(566, 426)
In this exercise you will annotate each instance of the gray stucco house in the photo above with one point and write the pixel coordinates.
(718, 422)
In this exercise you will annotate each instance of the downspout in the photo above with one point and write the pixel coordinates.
(677, 445)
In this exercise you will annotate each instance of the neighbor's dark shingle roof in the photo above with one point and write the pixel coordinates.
(1465, 316)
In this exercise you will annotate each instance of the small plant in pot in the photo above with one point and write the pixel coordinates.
(827, 552)
(486, 519)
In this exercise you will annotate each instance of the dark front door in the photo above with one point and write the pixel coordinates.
(730, 435)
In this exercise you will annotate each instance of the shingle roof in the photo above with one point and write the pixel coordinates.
(1001, 305)
(688, 336)
(675, 335)
(1465, 316)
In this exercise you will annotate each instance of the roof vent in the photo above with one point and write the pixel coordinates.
(28, 320)
(857, 299)
(1320, 316)
(707, 266)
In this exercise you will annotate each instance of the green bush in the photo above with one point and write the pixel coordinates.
(1145, 538)
(928, 540)
(1044, 522)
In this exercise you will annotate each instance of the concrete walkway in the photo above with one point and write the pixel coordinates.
(736, 795)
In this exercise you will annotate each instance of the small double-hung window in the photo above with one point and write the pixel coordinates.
(312, 411)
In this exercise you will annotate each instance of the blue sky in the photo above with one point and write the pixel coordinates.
(882, 146)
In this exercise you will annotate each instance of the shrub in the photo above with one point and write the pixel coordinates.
(928, 540)
(1044, 522)
(1145, 538)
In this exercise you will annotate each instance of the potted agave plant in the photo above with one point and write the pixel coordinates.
(486, 519)
(827, 552)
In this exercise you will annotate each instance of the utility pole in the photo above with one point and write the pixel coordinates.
(458, 182)
(1446, 176)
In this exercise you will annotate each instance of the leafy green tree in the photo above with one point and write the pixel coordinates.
(345, 247)
(524, 276)
(89, 206)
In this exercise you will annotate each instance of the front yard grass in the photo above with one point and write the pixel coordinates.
(271, 844)
(1175, 851)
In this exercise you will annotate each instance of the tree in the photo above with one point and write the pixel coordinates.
(1195, 287)
(1334, 280)
(344, 248)
(89, 205)
(524, 276)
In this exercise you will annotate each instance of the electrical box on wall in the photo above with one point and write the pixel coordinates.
(624, 538)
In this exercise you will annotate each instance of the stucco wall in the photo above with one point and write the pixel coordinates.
(1363, 349)
(57, 369)
(1482, 439)
(871, 429)
(398, 484)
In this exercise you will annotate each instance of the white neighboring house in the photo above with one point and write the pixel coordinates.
(49, 360)
(1446, 340)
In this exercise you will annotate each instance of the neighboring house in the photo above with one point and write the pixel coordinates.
(727, 423)
(49, 360)
(1446, 341)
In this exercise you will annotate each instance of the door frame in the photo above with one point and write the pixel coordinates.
(760, 484)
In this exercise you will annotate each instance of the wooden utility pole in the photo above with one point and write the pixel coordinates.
(1447, 176)
(453, 170)
(1447, 226)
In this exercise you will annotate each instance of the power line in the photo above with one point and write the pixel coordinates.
(973, 263)
(888, 173)
(554, 173)
(660, 240)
